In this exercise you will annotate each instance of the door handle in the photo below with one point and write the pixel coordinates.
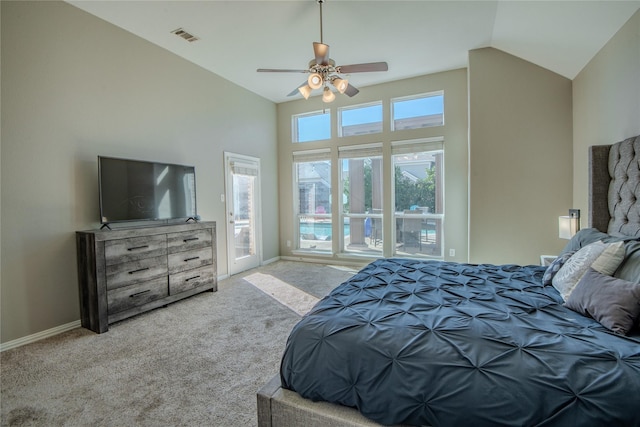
(232, 222)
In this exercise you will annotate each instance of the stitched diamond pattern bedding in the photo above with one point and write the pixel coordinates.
(447, 344)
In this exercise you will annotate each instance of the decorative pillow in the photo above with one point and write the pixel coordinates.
(610, 259)
(612, 302)
(572, 271)
(555, 266)
(586, 236)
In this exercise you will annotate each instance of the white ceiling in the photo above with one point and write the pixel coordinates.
(414, 37)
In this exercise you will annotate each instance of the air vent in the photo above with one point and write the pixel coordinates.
(185, 35)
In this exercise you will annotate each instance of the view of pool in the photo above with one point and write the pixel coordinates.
(321, 230)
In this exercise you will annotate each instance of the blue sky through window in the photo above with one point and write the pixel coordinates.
(314, 127)
(361, 115)
(418, 107)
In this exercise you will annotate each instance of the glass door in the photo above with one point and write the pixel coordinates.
(243, 212)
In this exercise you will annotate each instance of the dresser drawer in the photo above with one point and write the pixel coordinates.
(128, 297)
(129, 273)
(191, 279)
(188, 240)
(183, 261)
(134, 248)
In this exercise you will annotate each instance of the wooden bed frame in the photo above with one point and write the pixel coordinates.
(278, 407)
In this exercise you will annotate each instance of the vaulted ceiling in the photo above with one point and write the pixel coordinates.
(414, 37)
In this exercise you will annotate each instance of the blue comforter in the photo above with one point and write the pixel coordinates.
(448, 344)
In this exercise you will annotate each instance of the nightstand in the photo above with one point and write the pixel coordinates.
(546, 260)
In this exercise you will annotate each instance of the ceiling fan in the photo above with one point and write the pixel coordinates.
(323, 70)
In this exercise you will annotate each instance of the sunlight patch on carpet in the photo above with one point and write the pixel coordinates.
(344, 268)
(287, 295)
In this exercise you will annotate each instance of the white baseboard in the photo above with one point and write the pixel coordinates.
(269, 261)
(332, 261)
(39, 336)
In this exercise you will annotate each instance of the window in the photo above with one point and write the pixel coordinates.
(312, 181)
(312, 126)
(410, 213)
(361, 178)
(360, 119)
(417, 111)
(418, 197)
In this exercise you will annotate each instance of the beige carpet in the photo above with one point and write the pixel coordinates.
(197, 362)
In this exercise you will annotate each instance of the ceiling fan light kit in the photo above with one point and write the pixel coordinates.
(305, 91)
(323, 70)
(340, 84)
(315, 81)
(327, 95)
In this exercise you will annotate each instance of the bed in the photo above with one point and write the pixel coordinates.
(410, 342)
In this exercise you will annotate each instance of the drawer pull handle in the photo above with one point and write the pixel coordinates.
(137, 294)
(191, 239)
(135, 248)
(191, 278)
(139, 270)
(191, 259)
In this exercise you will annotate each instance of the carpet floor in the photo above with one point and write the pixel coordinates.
(196, 362)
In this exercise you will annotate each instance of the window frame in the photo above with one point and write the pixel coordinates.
(334, 148)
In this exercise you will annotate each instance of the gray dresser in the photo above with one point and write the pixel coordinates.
(125, 272)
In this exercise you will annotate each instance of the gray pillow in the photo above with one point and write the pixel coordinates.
(586, 236)
(612, 302)
(602, 257)
(582, 238)
(630, 267)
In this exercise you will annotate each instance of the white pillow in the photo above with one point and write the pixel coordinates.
(602, 257)
(609, 261)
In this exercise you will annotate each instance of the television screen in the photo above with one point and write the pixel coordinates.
(134, 190)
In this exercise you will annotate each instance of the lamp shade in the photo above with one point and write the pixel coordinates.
(340, 84)
(327, 95)
(315, 81)
(568, 226)
(305, 91)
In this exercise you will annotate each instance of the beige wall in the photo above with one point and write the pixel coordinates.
(454, 84)
(606, 103)
(520, 158)
(74, 87)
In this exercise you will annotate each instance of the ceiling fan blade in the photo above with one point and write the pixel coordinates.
(277, 70)
(296, 91)
(363, 68)
(351, 91)
(321, 52)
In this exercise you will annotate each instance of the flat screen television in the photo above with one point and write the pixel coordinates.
(137, 190)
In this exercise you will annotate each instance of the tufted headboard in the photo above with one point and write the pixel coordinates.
(614, 187)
